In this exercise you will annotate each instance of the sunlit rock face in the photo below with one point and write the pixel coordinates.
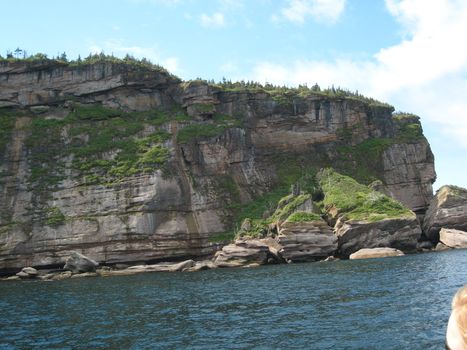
(448, 209)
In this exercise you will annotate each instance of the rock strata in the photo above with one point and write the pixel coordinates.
(399, 233)
(162, 267)
(370, 253)
(306, 241)
(242, 253)
(447, 209)
(453, 238)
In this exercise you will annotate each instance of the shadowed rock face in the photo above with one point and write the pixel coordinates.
(399, 233)
(171, 212)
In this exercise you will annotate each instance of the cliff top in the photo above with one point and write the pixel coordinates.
(11, 65)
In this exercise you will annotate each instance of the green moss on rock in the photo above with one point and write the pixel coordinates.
(54, 217)
(7, 123)
(105, 144)
(214, 128)
(357, 202)
(301, 216)
(287, 205)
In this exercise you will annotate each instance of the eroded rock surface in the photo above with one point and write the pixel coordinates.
(28, 272)
(453, 238)
(371, 253)
(306, 241)
(399, 233)
(78, 263)
(447, 209)
(243, 252)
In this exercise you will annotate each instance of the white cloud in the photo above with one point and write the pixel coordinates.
(325, 11)
(215, 20)
(426, 73)
(117, 48)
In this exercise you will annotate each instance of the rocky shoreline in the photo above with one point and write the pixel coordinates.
(292, 241)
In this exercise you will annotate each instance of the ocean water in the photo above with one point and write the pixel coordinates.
(392, 303)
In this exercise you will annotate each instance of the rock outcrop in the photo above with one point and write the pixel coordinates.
(128, 164)
(78, 263)
(365, 218)
(447, 209)
(244, 252)
(399, 233)
(371, 253)
(28, 272)
(306, 241)
(453, 238)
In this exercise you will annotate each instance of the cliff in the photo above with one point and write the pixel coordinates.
(127, 163)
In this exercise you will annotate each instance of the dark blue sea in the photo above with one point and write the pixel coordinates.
(392, 303)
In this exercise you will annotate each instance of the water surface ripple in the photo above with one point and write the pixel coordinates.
(392, 303)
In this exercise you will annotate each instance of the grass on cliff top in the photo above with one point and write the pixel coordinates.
(356, 201)
(280, 93)
(284, 94)
(61, 60)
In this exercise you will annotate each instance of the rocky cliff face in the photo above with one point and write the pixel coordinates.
(129, 164)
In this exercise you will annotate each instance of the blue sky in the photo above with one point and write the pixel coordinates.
(410, 53)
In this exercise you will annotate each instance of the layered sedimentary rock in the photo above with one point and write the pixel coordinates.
(306, 241)
(68, 180)
(399, 233)
(447, 209)
(243, 253)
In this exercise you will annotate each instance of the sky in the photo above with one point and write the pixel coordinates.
(409, 53)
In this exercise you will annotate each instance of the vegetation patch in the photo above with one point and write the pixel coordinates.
(287, 205)
(54, 217)
(284, 95)
(61, 60)
(132, 155)
(103, 142)
(301, 216)
(206, 130)
(356, 201)
(7, 123)
(400, 116)
(199, 131)
(222, 237)
(257, 229)
(204, 107)
(409, 132)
